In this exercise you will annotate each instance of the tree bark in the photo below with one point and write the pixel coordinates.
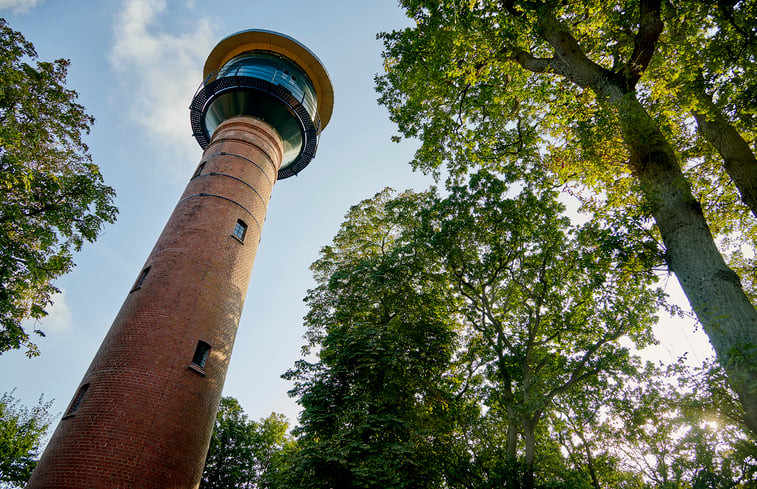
(529, 437)
(589, 462)
(512, 477)
(738, 159)
(712, 288)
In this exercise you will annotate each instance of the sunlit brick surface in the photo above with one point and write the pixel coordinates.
(146, 419)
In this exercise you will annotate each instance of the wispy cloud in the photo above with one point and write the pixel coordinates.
(59, 316)
(161, 70)
(19, 6)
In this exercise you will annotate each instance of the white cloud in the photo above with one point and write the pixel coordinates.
(161, 72)
(19, 6)
(59, 316)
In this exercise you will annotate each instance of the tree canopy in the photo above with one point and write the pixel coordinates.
(473, 339)
(52, 197)
(643, 108)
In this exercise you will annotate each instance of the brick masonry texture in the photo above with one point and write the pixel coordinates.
(147, 416)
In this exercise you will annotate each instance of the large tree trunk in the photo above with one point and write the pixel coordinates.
(512, 477)
(713, 289)
(529, 438)
(738, 158)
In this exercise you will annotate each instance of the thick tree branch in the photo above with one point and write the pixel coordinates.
(532, 63)
(570, 60)
(726, 9)
(645, 42)
(509, 5)
(738, 159)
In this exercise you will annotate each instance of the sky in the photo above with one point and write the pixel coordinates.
(136, 65)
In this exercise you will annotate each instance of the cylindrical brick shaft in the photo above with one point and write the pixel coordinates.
(143, 414)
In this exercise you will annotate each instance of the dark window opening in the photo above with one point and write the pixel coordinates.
(199, 170)
(201, 354)
(77, 400)
(240, 229)
(141, 279)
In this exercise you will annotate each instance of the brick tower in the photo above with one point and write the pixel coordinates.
(143, 414)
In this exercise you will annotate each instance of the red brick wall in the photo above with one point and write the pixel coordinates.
(146, 418)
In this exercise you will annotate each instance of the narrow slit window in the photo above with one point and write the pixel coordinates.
(141, 279)
(201, 354)
(76, 403)
(199, 170)
(240, 229)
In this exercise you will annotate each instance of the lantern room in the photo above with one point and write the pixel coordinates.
(272, 77)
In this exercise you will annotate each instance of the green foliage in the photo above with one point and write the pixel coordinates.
(662, 427)
(21, 431)
(472, 80)
(244, 453)
(460, 81)
(544, 303)
(446, 329)
(628, 103)
(52, 198)
(377, 404)
(705, 68)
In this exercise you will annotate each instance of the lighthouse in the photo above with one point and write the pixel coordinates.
(143, 413)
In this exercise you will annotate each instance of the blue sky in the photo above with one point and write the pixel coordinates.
(136, 65)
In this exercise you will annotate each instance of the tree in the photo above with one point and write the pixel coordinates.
(584, 85)
(377, 404)
(578, 424)
(715, 79)
(431, 306)
(545, 303)
(21, 431)
(52, 198)
(244, 453)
